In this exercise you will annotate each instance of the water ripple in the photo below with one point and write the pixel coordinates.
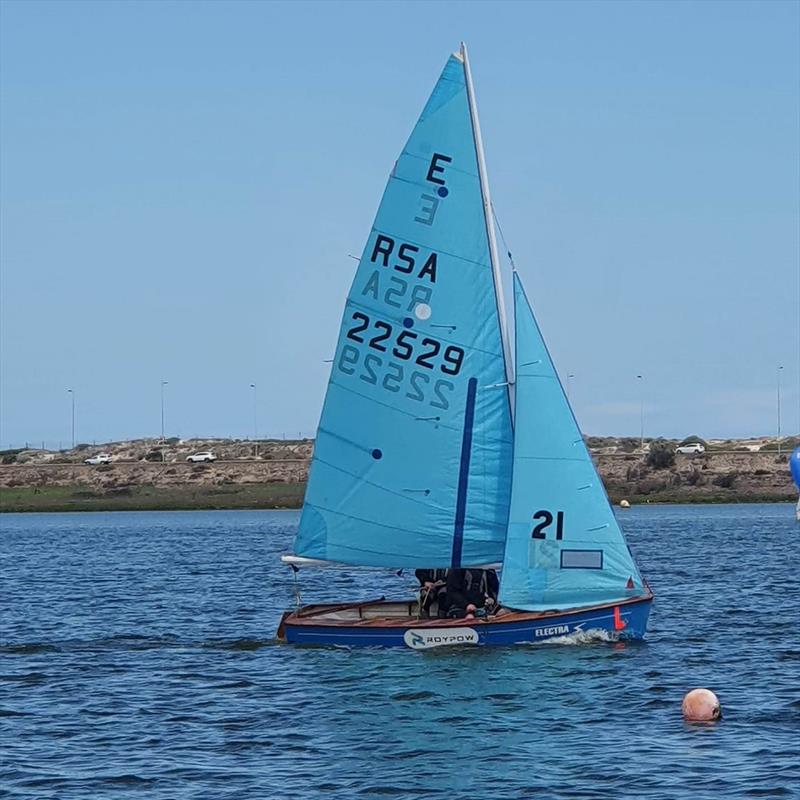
(138, 660)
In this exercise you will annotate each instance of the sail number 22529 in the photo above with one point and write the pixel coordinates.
(400, 361)
(406, 345)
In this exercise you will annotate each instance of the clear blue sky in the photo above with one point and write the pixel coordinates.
(182, 182)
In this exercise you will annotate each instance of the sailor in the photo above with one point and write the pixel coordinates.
(432, 588)
(471, 589)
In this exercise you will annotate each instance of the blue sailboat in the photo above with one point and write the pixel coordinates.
(439, 447)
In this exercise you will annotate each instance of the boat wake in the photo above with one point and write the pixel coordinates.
(591, 636)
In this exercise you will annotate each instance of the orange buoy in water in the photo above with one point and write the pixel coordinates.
(701, 705)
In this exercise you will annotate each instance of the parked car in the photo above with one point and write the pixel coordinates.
(693, 447)
(199, 458)
(100, 458)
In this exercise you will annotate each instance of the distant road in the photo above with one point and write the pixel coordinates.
(142, 462)
(707, 453)
(263, 461)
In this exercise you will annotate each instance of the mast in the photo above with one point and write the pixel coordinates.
(487, 213)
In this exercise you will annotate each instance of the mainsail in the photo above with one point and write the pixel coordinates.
(412, 461)
(564, 547)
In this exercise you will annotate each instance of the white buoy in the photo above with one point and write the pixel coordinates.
(624, 504)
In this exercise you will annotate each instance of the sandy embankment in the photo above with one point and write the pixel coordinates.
(274, 475)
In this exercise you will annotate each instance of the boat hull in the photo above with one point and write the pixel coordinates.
(363, 625)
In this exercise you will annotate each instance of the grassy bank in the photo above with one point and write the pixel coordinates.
(272, 495)
(704, 498)
(150, 498)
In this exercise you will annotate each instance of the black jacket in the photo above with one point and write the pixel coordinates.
(431, 575)
(465, 586)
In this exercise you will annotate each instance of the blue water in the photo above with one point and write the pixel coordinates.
(137, 661)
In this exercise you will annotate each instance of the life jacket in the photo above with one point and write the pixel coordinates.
(434, 575)
(473, 588)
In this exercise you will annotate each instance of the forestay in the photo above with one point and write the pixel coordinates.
(412, 459)
(564, 547)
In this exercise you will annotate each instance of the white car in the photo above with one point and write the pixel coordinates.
(199, 458)
(100, 458)
(689, 449)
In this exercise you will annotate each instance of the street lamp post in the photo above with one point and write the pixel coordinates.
(779, 370)
(641, 412)
(570, 376)
(255, 418)
(71, 392)
(163, 384)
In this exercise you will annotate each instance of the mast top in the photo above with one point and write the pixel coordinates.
(488, 216)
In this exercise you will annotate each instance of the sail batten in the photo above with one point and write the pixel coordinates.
(395, 481)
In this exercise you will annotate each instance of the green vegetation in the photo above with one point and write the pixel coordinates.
(10, 456)
(692, 440)
(725, 481)
(290, 495)
(149, 498)
(661, 455)
(682, 497)
(629, 444)
(787, 445)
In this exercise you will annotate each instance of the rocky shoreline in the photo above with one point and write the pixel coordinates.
(273, 474)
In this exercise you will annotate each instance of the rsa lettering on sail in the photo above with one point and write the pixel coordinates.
(418, 268)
